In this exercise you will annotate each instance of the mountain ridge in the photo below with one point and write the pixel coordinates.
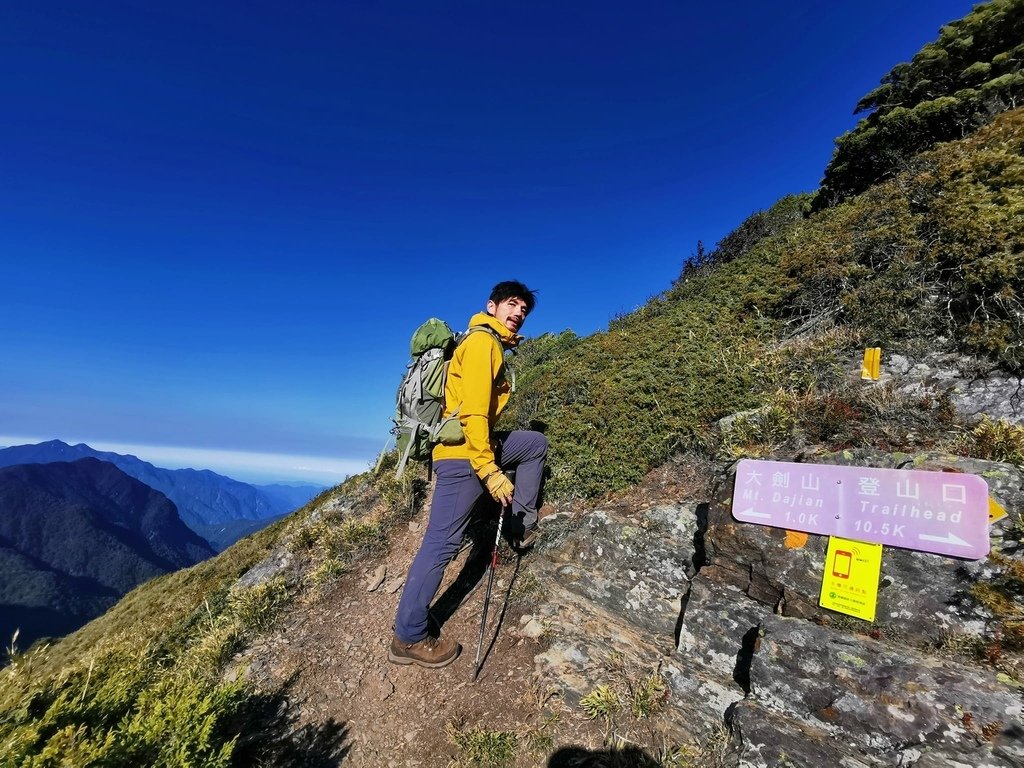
(75, 536)
(217, 507)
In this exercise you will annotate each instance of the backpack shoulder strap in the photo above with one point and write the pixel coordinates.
(497, 338)
(478, 328)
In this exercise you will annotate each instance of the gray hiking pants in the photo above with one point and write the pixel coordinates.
(457, 491)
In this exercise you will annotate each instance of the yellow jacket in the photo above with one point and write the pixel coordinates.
(476, 388)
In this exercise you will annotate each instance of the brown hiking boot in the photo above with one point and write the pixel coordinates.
(430, 652)
(524, 544)
(529, 537)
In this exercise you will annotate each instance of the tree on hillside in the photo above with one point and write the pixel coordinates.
(759, 225)
(950, 88)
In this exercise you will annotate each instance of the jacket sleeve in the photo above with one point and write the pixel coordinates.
(481, 363)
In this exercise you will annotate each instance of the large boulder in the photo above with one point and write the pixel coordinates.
(718, 630)
(879, 698)
(923, 597)
(612, 587)
(635, 566)
(760, 736)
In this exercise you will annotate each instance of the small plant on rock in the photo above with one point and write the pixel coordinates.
(481, 748)
(255, 608)
(995, 441)
(526, 589)
(648, 696)
(602, 702)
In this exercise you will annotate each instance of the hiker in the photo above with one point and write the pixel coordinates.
(476, 391)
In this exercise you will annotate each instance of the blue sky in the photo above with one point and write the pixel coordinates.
(211, 213)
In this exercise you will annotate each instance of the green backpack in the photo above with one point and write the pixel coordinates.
(419, 425)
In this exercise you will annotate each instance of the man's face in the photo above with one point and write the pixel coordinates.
(510, 312)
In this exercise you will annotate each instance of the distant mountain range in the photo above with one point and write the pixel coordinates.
(219, 509)
(75, 537)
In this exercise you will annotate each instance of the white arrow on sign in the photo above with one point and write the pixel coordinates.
(950, 538)
(750, 512)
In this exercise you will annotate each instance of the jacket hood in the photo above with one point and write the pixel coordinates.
(508, 337)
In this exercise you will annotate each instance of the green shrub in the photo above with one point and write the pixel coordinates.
(126, 707)
(995, 441)
(401, 495)
(950, 88)
(254, 609)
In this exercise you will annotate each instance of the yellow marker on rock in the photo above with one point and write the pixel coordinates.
(795, 540)
(871, 368)
(850, 582)
(996, 512)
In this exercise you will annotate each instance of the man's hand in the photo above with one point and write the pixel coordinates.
(500, 487)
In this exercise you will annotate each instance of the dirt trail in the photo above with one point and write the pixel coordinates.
(331, 651)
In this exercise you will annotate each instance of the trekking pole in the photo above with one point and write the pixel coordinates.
(487, 594)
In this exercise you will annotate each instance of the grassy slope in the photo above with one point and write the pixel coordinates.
(145, 683)
(931, 259)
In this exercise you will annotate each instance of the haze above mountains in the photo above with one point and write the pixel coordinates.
(218, 508)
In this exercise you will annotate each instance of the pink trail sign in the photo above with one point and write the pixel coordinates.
(940, 512)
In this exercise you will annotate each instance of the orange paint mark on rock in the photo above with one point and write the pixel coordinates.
(795, 540)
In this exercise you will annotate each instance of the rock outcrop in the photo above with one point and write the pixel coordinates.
(975, 387)
(727, 613)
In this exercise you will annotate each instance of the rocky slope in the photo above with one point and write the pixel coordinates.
(655, 629)
(648, 628)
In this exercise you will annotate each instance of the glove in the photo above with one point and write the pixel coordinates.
(500, 487)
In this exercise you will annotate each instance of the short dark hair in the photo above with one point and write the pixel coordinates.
(508, 289)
